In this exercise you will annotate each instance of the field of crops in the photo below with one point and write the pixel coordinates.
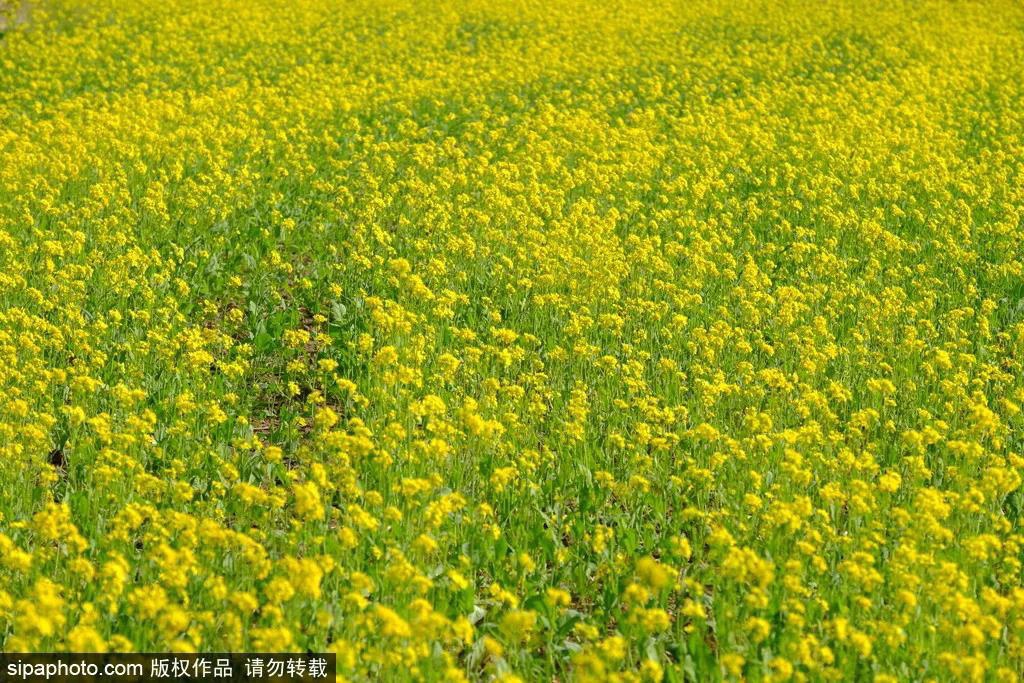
(516, 339)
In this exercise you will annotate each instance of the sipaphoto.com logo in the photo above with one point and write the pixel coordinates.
(61, 668)
(231, 667)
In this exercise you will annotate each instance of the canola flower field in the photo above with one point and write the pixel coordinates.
(516, 340)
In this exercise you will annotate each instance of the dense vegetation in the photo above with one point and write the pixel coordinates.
(591, 340)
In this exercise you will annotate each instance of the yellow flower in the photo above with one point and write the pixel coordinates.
(308, 505)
